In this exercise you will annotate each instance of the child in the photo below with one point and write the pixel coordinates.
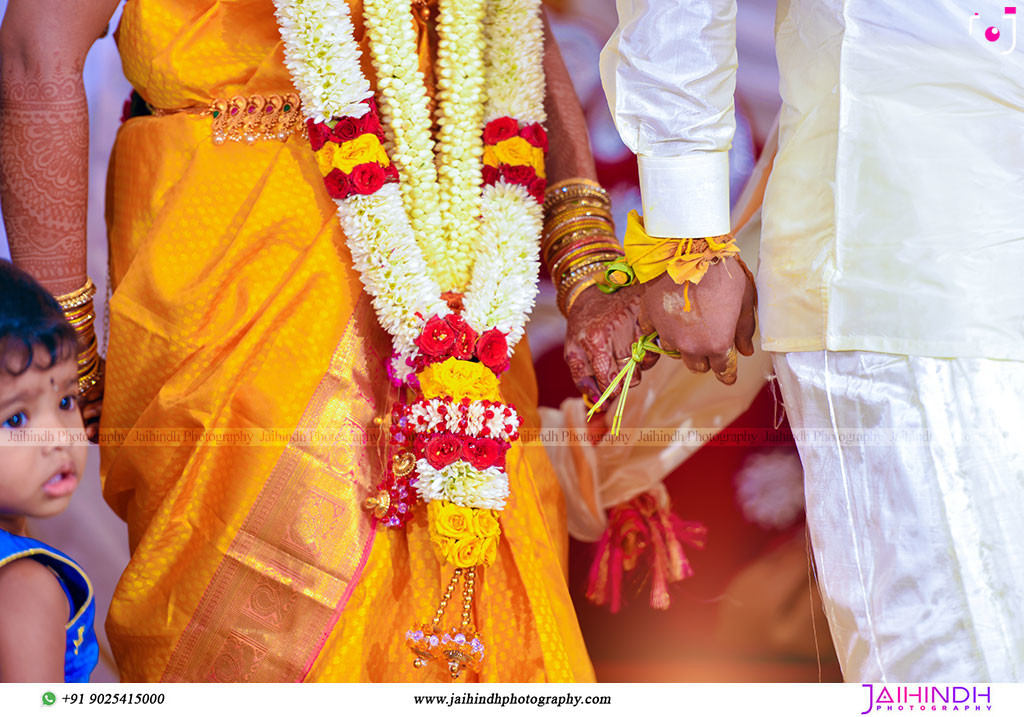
(46, 600)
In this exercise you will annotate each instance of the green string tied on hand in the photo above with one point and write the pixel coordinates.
(637, 355)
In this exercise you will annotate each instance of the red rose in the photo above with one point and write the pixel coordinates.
(367, 178)
(347, 128)
(319, 133)
(483, 452)
(437, 339)
(369, 123)
(491, 175)
(499, 129)
(339, 186)
(391, 173)
(535, 135)
(537, 187)
(465, 337)
(518, 174)
(442, 450)
(492, 350)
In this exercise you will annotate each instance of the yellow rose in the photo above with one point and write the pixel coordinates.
(488, 551)
(325, 158)
(517, 150)
(459, 379)
(442, 547)
(450, 520)
(364, 148)
(490, 156)
(514, 150)
(467, 553)
(485, 524)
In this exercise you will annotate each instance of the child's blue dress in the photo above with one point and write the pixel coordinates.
(81, 650)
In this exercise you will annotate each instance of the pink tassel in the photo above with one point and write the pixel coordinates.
(616, 579)
(659, 579)
(634, 527)
(597, 584)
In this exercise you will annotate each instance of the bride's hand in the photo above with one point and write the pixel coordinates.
(599, 338)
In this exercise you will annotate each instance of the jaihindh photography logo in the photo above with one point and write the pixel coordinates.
(927, 698)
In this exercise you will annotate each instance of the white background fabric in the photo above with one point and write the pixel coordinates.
(919, 538)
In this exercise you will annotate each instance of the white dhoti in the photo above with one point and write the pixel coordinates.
(914, 480)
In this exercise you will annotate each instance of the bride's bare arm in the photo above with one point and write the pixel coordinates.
(44, 134)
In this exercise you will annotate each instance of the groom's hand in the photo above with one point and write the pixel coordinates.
(599, 338)
(721, 316)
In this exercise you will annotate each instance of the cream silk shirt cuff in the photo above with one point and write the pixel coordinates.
(669, 73)
(685, 196)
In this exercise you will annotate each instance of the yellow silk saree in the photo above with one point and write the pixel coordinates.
(246, 390)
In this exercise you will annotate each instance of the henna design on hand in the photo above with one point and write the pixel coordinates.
(44, 174)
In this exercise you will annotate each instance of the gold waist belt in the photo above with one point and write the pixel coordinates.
(251, 118)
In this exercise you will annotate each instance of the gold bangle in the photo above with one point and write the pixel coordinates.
(585, 265)
(557, 210)
(76, 298)
(551, 249)
(572, 182)
(83, 323)
(581, 273)
(556, 226)
(576, 252)
(585, 239)
(91, 379)
(576, 198)
(593, 226)
(79, 311)
(559, 194)
(576, 224)
(87, 354)
(86, 362)
(576, 291)
(582, 265)
(569, 215)
(576, 210)
(580, 197)
(573, 261)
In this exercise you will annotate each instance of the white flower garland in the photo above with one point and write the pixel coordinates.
(406, 119)
(389, 239)
(460, 85)
(514, 69)
(322, 59)
(401, 287)
(461, 483)
(504, 284)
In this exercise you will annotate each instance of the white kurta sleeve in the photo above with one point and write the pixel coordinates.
(669, 72)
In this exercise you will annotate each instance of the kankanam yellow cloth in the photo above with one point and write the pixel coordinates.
(245, 393)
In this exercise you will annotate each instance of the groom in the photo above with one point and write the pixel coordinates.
(890, 295)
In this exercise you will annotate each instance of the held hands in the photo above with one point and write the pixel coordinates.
(604, 327)
(599, 338)
(719, 323)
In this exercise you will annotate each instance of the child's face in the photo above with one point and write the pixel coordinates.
(42, 446)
